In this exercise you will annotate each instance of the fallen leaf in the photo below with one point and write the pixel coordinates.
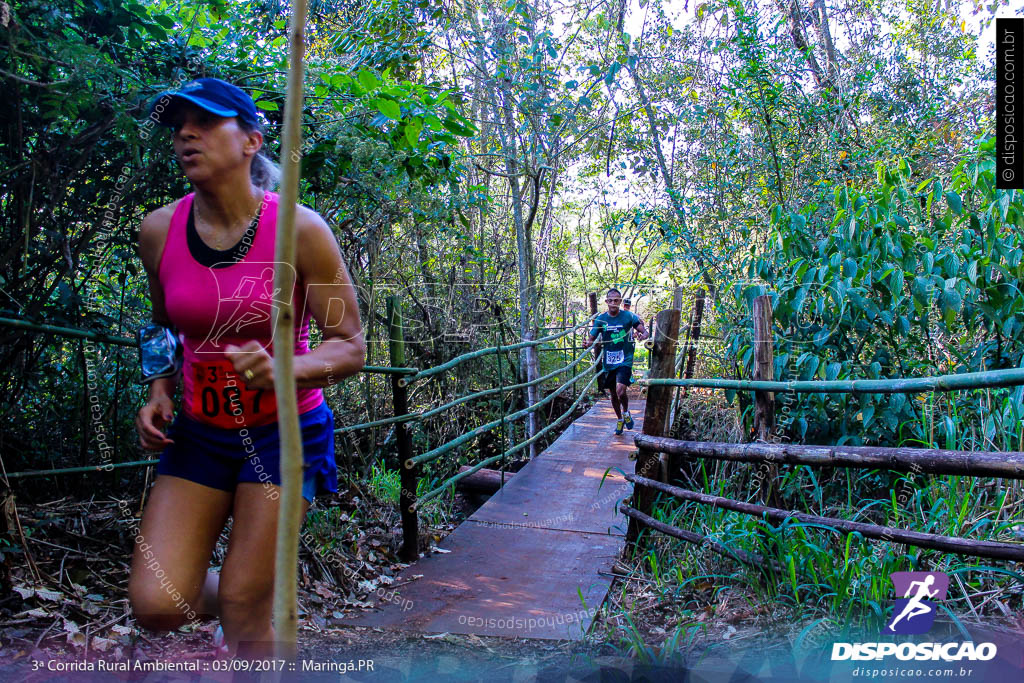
(102, 644)
(74, 634)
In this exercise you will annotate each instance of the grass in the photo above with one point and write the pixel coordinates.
(385, 485)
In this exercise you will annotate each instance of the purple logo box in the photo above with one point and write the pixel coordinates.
(914, 609)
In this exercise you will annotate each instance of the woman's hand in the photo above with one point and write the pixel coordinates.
(252, 363)
(152, 418)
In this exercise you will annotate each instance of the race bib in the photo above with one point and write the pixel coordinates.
(221, 398)
(613, 357)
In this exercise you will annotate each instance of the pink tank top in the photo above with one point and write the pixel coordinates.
(214, 307)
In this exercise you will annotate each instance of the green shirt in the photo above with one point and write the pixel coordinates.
(617, 337)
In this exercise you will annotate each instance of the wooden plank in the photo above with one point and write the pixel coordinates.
(518, 565)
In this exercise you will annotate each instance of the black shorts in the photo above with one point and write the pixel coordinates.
(622, 374)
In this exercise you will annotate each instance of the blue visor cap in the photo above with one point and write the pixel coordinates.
(212, 94)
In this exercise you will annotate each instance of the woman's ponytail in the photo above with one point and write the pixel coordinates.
(265, 173)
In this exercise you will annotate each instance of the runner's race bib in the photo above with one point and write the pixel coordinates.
(613, 357)
(221, 398)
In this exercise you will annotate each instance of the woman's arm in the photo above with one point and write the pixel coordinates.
(331, 299)
(159, 408)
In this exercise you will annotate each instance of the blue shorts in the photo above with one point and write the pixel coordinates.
(222, 458)
(620, 374)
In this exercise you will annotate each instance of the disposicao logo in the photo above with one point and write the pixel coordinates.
(914, 613)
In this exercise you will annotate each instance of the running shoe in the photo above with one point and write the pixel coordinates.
(628, 419)
(618, 427)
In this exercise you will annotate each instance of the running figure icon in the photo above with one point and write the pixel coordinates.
(915, 606)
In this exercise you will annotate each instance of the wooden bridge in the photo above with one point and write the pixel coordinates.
(535, 560)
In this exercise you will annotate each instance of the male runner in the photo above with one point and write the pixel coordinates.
(627, 305)
(615, 327)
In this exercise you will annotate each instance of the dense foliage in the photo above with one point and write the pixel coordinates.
(493, 162)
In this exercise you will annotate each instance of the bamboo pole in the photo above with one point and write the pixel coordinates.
(423, 374)
(951, 544)
(415, 417)
(389, 371)
(494, 458)
(482, 429)
(573, 394)
(66, 332)
(290, 511)
(80, 470)
(966, 380)
(1008, 465)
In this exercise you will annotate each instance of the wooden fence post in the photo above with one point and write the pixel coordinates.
(408, 475)
(694, 335)
(764, 401)
(677, 304)
(663, 363)
(677, 298)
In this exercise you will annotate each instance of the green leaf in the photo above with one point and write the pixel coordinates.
(609, 77)
(412, 130)
(954, 202)
(868, 413)
(368, 80)
(832, 370)
(812, 367)
(457, 128)
(267, 105)
(389, 109)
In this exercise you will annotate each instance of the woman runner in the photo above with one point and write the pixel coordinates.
(209, 258)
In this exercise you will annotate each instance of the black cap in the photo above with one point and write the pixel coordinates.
(212, 94)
